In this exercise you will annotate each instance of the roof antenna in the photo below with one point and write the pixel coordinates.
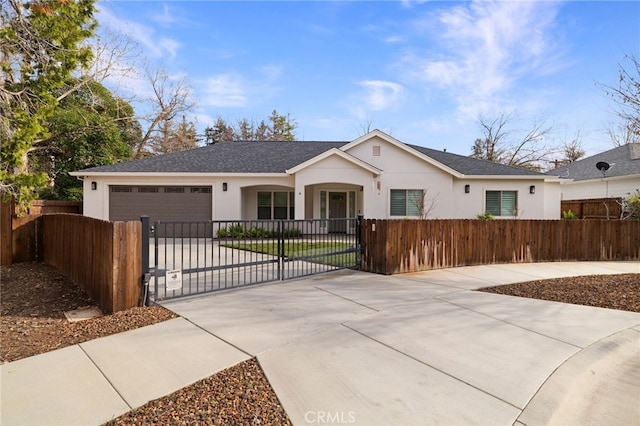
(603, 167)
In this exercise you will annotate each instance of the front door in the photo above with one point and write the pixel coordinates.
(337, 210)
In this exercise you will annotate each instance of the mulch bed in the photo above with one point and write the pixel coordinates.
(34, 299)
(240, 395)
(620, 291)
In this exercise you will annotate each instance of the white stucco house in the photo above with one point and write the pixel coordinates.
(617, 177)
(374, 175)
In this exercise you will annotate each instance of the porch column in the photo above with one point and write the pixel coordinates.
(300, 200)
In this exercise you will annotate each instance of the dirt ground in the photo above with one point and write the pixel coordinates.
(34, 297)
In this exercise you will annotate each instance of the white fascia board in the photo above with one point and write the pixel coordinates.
(609, 178)
(335, 151)
(511, 177)
(403, 146)
(174, 174)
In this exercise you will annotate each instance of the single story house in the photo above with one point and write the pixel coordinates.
(610, 174)
(374, 175)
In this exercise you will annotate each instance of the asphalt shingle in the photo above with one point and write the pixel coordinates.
(277, 157)
(623, 161)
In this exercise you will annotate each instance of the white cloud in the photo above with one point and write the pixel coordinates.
(272, 72)
(224, 90)
(165, 17)
(158, 47)
(380, 95)
(484, 48)
(395, 39)
(411, 3)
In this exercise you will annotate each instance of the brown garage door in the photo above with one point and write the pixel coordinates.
(160, 202)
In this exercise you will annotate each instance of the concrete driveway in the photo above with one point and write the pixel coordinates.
(358, 348)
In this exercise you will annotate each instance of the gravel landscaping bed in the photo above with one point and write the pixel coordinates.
(34, 297)
(620, 291)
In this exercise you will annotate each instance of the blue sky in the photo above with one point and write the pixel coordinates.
(422, 71)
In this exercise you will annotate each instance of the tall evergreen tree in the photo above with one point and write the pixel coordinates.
(277, 128)
(41, 46)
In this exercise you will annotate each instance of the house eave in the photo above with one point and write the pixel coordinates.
(599, 179)
(512, 177)
(173, 174)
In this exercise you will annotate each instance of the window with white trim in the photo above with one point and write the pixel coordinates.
(501, 203)
(405, 202)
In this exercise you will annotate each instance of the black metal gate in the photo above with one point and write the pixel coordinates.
(188, 258)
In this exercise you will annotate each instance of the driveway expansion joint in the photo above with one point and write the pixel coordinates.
(347, 299)
(432, 367)
(506, 322)
(218, 337)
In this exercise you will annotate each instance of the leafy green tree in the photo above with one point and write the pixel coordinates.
(277, 128)
(41, 46)
(89, 128)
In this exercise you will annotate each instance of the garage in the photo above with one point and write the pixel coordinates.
(183, 203)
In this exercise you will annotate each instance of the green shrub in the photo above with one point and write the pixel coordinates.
(631, 206)
(569, 215)
(292, 233)
(485, 216)
(238, 231)
(232, 231)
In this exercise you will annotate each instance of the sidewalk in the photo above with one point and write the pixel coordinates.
(363, 349)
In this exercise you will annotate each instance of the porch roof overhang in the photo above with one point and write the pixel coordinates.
(339, 153)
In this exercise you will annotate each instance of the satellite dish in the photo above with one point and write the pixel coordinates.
(602, 166)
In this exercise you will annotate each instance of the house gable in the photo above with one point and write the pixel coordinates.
(364, 147)
(344, 159)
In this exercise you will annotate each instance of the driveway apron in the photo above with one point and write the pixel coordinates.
(357, 348)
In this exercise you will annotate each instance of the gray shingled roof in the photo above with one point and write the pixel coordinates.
(277, 157)
(472, 166)
(623, 161)
(227, 157)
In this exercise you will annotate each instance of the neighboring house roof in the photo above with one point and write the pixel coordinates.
(623, 161)
(281, 157)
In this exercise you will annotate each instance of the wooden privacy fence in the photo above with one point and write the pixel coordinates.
(17, 242)
(601, 208)
(399, 246)
(104, 258)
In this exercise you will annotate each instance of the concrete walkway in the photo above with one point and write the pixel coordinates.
(357, 348)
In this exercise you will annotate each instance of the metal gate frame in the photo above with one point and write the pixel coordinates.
(196, 257)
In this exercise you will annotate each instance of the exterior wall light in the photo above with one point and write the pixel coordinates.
(224, 186)
(532, 189)
(467, 189)
(94, 185)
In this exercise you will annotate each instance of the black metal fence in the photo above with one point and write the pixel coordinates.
(188, 258)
